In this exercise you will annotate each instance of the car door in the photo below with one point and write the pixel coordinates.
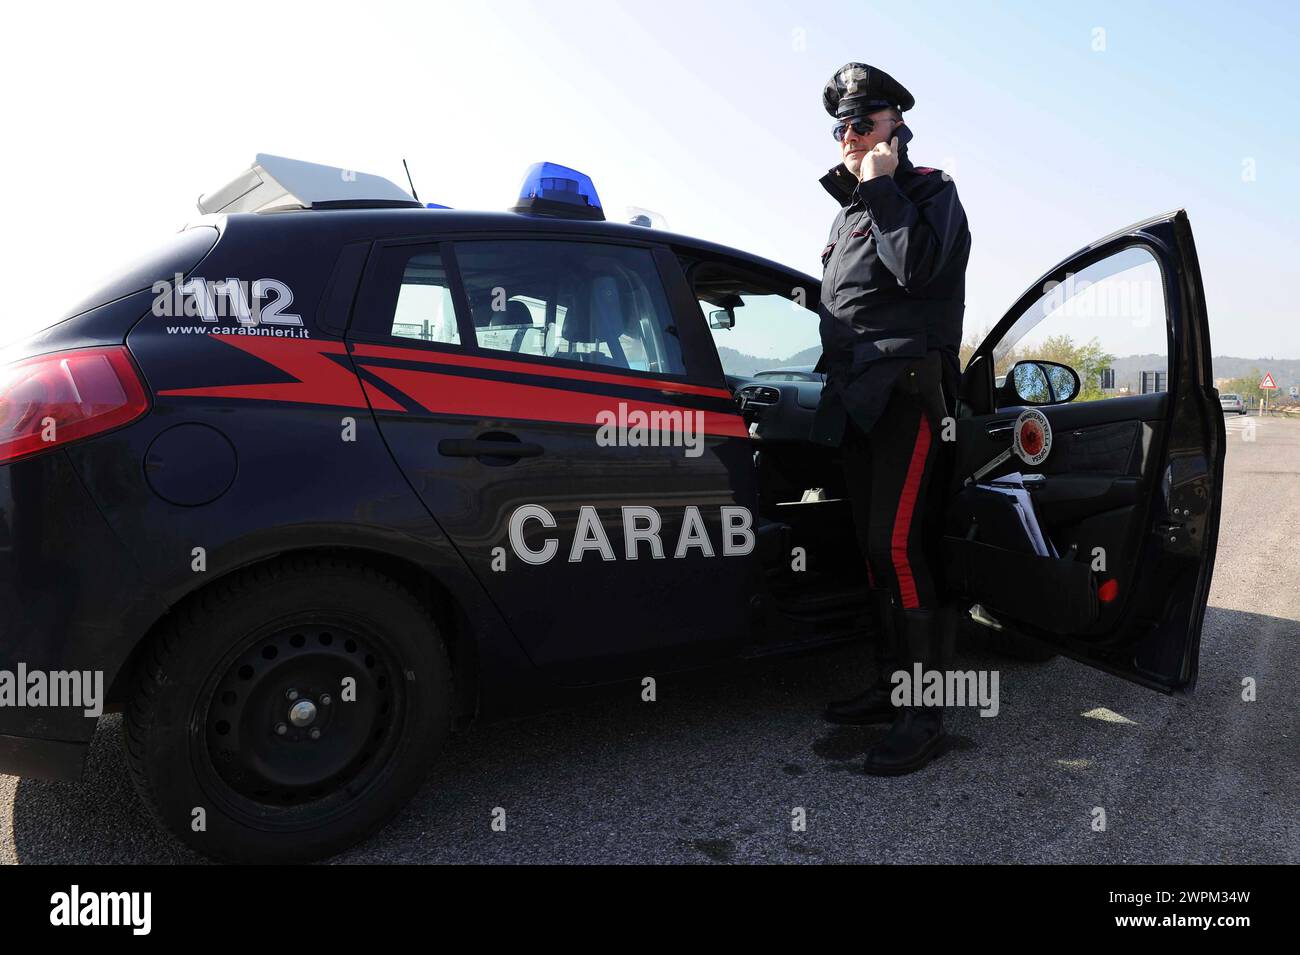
(1128, 494)
(765, 329)
(507, 375)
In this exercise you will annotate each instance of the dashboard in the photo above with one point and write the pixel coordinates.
(776, 410)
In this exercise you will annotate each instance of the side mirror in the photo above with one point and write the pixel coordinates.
(722, 318)
(1041, 383)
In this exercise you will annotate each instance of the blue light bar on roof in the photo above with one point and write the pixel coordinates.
(550, 189)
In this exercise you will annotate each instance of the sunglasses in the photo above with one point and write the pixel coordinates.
(860, 126)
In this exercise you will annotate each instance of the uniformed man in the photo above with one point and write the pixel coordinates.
(891, 314)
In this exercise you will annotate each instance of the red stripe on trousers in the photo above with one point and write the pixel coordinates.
(903, 518)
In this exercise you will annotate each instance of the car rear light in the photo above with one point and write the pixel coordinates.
(51, 400)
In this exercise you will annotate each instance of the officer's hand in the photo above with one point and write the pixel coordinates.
(881, 161)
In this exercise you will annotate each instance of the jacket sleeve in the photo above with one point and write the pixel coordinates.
(915, 240)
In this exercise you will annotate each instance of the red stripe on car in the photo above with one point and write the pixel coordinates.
(528, 368)
(458, 395)
(320, 380)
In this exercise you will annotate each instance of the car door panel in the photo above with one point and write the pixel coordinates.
(1129, 493)
(1101, 453)
(485, 435)
(1101, 447)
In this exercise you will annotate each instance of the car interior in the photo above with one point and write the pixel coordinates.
(566, 301)
(801, 492)
(1090, 496)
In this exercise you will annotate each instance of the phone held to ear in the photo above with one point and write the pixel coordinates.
(904, 134)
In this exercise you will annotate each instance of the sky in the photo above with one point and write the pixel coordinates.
(1059, 123)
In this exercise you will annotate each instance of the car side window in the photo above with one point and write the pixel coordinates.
(761, 325)
(409, 296)
(1108, 321)
(571, 301)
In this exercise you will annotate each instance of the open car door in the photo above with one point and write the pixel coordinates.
(1107, 552)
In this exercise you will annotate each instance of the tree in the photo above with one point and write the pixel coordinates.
(969, 345)
(1087, 359)
(1001, 366)
(1246, 385)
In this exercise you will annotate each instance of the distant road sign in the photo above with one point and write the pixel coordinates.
(1153, 381)
(1268, 384)
(1294, 391)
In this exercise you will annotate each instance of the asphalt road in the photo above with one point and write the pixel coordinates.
(713, 770)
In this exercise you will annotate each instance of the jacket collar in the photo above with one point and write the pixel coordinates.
(841, 183)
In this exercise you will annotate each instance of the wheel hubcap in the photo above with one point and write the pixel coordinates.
(302, 713)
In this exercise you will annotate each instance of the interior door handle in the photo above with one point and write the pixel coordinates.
(479, 448)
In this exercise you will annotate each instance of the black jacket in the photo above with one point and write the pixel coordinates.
(893, 288)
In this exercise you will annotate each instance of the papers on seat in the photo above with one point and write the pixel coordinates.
(1013, 486)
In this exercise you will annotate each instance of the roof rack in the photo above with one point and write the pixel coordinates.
(274, 183)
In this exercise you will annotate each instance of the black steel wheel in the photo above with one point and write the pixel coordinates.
(302, 714)
(289, 711)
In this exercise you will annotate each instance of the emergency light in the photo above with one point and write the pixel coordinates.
(635, 215)
(550, 189)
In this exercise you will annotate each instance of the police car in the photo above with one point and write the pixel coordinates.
(330, 473)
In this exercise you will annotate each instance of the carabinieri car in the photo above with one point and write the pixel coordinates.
(330, 473)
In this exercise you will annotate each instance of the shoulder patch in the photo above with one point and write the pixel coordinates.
(924, 170)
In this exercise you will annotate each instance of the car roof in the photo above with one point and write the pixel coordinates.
(349, 225)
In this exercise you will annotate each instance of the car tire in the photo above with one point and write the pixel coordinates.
(289, 711)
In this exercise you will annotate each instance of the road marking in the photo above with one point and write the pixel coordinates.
(1242, 423)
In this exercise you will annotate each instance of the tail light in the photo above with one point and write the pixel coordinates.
(51, 400)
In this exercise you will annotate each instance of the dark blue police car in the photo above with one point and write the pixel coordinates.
(330, 473)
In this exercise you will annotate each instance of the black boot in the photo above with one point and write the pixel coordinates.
(872, 705)
(916, 736)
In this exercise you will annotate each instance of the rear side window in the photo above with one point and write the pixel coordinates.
(409, 296)
(178, 253)
(570, 301)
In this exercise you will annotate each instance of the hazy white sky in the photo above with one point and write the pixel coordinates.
(1059, 125)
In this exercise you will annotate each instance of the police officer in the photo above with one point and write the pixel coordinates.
(891, 314)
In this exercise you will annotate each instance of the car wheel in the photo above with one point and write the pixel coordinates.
(288, 711)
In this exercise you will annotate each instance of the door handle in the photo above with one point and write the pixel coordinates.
(997, 430)
(479, 448)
